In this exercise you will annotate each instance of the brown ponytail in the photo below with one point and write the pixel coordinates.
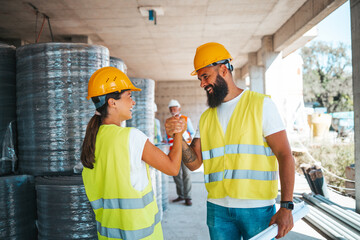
(88, 148)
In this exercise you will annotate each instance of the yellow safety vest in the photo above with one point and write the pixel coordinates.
(240, 164)
(121, 212)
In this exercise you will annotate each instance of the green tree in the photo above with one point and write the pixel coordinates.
(327, 76)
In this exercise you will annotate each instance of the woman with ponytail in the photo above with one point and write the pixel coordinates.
(116, 161)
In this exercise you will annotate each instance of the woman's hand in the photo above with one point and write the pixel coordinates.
(174, 125)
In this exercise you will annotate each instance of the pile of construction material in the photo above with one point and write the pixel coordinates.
(330, 218)
(43, 119)
(41, 137)
(315, 178)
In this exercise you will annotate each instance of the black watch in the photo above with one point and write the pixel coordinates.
(287, 204)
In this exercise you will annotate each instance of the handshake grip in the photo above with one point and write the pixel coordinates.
(174, 125)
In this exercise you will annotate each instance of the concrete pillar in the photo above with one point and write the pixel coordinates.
(256, 73)
(239, 78)
(355, 41)
(272, 62)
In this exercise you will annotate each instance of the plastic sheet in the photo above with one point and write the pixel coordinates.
(118, 63)
(64, 211)
(8, 160)
(165, 191)
(157, 188)
(18, 208)
(164, 180)
(52, 110)
(7, 97)
(143, 112)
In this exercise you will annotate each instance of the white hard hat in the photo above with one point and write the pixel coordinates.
(155, 107)
(174, 103)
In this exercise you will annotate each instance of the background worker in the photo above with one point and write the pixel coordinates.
(116, 161)
(243, 145)
(183, 179)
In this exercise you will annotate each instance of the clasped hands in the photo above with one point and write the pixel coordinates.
(174, 125)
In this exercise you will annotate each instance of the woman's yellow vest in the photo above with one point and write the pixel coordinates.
(240, 164)
(121, 212)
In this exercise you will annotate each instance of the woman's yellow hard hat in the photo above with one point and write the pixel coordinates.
(107, 80)
(209, 53)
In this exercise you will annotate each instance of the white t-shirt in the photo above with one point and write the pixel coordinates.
(138, 174)
(272, 123)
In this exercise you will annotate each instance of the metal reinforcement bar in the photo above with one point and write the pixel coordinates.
(346, 218)
(299, 212)
(340, 208)
(327, 225)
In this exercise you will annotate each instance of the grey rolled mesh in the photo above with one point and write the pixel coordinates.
(52, 110)
(18, 208)
(7, 101)
(64, 211)
(119, 64)
(143, 115)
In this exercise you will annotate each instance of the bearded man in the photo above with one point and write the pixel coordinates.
(241, 141)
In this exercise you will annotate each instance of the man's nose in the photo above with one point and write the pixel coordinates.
(202, 83)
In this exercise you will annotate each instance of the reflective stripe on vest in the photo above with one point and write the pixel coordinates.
(131, 234)
(241, 174)
(235, 149)
(121, 203)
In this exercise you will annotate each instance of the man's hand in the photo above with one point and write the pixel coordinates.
(174, 125)
(284, 219)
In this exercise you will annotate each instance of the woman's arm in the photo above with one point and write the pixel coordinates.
(168, 164)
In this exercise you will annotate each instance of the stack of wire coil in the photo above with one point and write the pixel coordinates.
(143, 116)
(52, 110)
(64, 211)
(164, 180)
(156, 183)
(7, 101)
(118, 63)
(18, 208)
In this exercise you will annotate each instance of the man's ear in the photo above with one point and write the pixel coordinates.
(223, 70)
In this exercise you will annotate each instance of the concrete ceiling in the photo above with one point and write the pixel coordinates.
(163, 51)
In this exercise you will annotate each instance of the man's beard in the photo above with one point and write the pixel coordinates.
(219, 92)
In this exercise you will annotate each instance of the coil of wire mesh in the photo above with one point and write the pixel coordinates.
(7, 101)
(52, 110)
(64, 211)
(118, 63)
(18, 207)
(143, 115)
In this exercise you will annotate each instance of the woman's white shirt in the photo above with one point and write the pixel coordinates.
(138, 174)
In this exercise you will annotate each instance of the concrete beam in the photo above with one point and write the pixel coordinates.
(78, 39)
(306, 17)
(15, 42)
(355, 43)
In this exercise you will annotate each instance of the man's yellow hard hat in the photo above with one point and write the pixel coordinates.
(107, 80)
(209, 53)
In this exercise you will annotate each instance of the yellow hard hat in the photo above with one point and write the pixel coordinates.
(107, 80)
(209, 53)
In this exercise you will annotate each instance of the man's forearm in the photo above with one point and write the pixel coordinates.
(287, 178)
(188, 155)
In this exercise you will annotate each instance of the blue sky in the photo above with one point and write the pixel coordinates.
(336, 27)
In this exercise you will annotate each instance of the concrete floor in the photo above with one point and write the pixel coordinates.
(189, 223)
